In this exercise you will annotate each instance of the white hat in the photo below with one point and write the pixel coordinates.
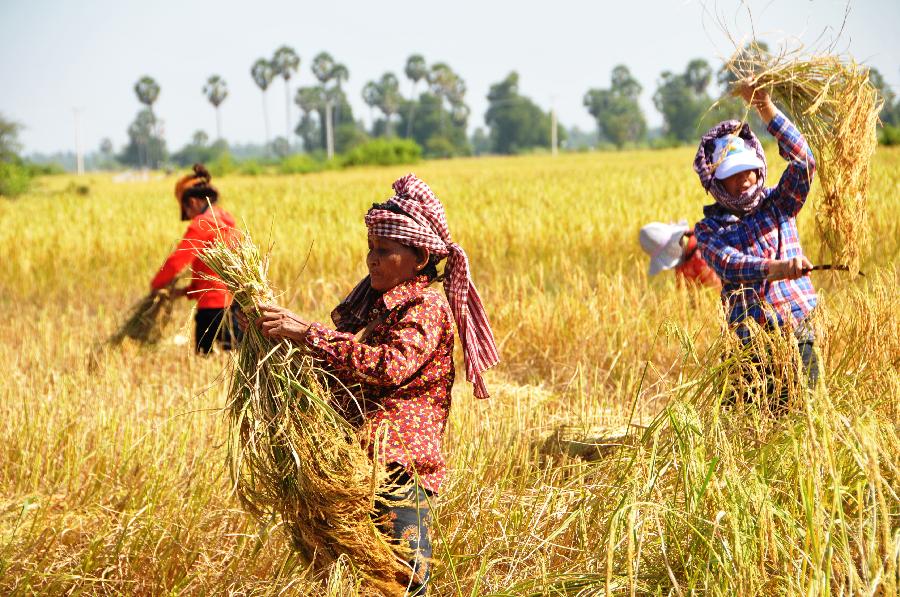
(663, 243)
(732, 156)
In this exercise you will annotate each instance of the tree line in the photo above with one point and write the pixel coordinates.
(435, 115)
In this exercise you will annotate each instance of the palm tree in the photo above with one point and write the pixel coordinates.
(147, 91)
(263, 72)
(443, 81)
(389, 87)
(384, 95)
(323, 67)
(371, 95)
(309, 99)
(416, 70)
(286, 62)
(339, 74)
(216, 90)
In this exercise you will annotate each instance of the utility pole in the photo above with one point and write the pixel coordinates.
(79, 156)
(554, 142)
(287, 112)
(266, 117)
(329, 132)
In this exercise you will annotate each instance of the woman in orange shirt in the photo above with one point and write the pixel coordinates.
(208, 222)
(674, 246)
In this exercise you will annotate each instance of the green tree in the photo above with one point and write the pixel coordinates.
(281, 147)
(370, 95)
(199, 150)
(616, 110)
(516, 123)
(481, 142)
(440, 133)
(15, 175)
(9, 139)
(147, 91)
(143, 141)
(347, 133)
(311, 101)
(107, 152)
(890, 111)
(285, 62)
(450, 90)
(384, 95)
(339, 74)
(683, 101)
(106, 147)
(327, 70)
(263, 73)
(216, 90)
(416, 70)
(323, 67)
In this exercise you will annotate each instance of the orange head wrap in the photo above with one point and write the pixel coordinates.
(200, 175)
(186, 182)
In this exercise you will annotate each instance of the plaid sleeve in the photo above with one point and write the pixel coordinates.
(793, 188)
(730, 264)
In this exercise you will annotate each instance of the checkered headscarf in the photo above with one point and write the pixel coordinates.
(705, 167)
(423, 223)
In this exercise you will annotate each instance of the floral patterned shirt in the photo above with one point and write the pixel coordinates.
(400, 371)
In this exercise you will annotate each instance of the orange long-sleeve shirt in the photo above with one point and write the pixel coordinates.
(694, 270)
(201, 232)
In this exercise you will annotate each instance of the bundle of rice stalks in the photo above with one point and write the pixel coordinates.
(147, 319)
(290, 453)
(835, 106)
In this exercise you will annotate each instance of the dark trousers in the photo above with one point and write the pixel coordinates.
(406, 517)
(810, 362)
(216, 324)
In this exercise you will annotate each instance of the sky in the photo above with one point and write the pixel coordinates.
(63, 56)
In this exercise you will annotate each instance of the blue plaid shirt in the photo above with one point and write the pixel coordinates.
(739, 249)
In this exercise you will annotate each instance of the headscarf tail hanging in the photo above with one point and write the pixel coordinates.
(423, 223)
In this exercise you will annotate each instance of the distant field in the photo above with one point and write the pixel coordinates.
(112, 461)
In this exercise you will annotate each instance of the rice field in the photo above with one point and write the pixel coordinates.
(113, 477)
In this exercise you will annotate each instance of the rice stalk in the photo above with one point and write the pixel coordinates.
(147, 319)
(834, 104)
(290, 453)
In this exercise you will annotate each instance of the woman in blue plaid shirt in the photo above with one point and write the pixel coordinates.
(749, 235)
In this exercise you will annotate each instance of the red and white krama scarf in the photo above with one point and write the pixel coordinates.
(424, 224)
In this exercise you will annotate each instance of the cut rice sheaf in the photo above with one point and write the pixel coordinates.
(291, 453)
(835, 106)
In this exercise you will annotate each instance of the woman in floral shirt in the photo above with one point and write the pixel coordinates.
(393, 347)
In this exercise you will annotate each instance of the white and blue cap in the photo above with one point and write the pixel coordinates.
(732, 156)
(662, 242)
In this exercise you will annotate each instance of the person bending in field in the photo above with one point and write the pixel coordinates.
(749, 235)
(208, 222)
(393, 347)
(674, 246)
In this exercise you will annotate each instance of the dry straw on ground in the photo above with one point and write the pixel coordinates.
(147, 319)
(291, 453)
(833, 103)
